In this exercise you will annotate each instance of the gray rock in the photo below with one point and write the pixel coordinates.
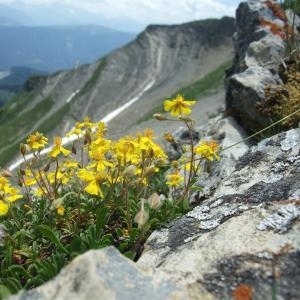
(105, 274)
(258, 56)
(225, 241)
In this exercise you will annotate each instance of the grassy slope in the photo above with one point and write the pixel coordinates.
(203, 87)
(14, 124)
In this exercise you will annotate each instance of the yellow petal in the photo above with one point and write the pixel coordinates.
(64, 151)
(168, 105)
(186, 110)
(13, 198)
(3, 208)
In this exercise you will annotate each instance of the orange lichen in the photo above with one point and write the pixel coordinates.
(243, 292)
(277, 10)
(275, 28)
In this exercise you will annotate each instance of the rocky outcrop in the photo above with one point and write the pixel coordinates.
(247, 233)
(106, 274)
(244, 238)
(260, 51)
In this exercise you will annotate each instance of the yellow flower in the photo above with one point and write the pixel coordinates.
(60, 210)
(3, 208)
(8, 193)
(58, 148)
(76, 130)
(208, 150)
(178, 106)
(174, 179)
(36, 141)
(92, 179)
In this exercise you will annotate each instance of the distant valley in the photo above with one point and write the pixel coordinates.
(52, 48)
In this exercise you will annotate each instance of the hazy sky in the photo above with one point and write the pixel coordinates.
(123, 14)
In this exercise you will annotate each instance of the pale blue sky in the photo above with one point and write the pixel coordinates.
(131, 15)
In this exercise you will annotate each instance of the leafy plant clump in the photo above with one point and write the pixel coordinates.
(99, 192)
(284, 99)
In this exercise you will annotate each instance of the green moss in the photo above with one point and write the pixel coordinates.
(15, 106)
(54, 119)
(93, 79)
(200, 88)
(20, 125)
(205, 85)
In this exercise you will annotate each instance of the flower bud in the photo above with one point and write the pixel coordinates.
(159, 117)
(185, 118)
(47, 167)
(6, 174)
(154, 201)
(23, 149)
(130, 171)
(74, 151)
(149, 171)
(169, 137)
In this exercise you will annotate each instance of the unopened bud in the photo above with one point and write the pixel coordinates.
(23, 149)
(87, 137)
(130, 171)
(74, 151)
(6, 173)
(150, 170)
(185, 118)
(22, 172)
(159, 117)
(20, 183)
(169, 137)
(47, 167)
(175, 164)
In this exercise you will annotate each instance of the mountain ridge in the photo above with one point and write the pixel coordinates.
(159, 62)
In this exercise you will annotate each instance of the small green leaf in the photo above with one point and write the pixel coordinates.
(119, 232)
(4, 291)
(48, 233)
(102, 218)
(19, 270)
(130, 254)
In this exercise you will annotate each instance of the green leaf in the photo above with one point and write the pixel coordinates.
(4, 291)
(102, 218)
(13, 284)
(133, 234)
(119, 232)
(19, 270)
(130, 254)
(48, 233)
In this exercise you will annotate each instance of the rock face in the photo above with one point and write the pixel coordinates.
(259, 52)
(245, 236)
(247, 233)
(105, 274)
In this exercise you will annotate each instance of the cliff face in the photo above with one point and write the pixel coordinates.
(261, 44)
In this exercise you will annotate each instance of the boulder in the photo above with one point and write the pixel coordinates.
(105, 274)
(246, 234)
(260, 50)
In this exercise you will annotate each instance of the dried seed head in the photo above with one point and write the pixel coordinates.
(154, 201)
(142, 216)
